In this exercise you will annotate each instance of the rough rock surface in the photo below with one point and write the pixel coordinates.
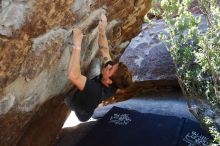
(147, 56)
(35, 48)
(150, 62)
(72, 135)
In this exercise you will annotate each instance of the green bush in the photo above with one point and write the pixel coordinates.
(196, 53)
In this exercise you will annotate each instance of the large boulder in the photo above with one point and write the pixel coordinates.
(147, 57)
(35, 48)
(150, 61)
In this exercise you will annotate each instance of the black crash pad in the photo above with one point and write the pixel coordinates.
(122, 127)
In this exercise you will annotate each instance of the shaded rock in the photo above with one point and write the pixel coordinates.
(150, 62)
(35, 48)
(72, 135)
(147, 56)
(144, 88)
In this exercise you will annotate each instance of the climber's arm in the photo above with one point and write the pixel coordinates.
(74, 71)
(104, 49)
(102, 40)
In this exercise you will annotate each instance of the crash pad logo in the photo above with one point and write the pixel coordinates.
(195, 138)
(120, 119)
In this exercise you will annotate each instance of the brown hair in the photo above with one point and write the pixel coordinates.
(122, 78)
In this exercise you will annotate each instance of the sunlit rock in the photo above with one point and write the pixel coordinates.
(35, 48)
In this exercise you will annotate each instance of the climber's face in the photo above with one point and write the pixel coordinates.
(107, 72)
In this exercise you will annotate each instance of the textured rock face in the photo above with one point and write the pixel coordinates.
(35, 48)
(148, 57)
(150, 62)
